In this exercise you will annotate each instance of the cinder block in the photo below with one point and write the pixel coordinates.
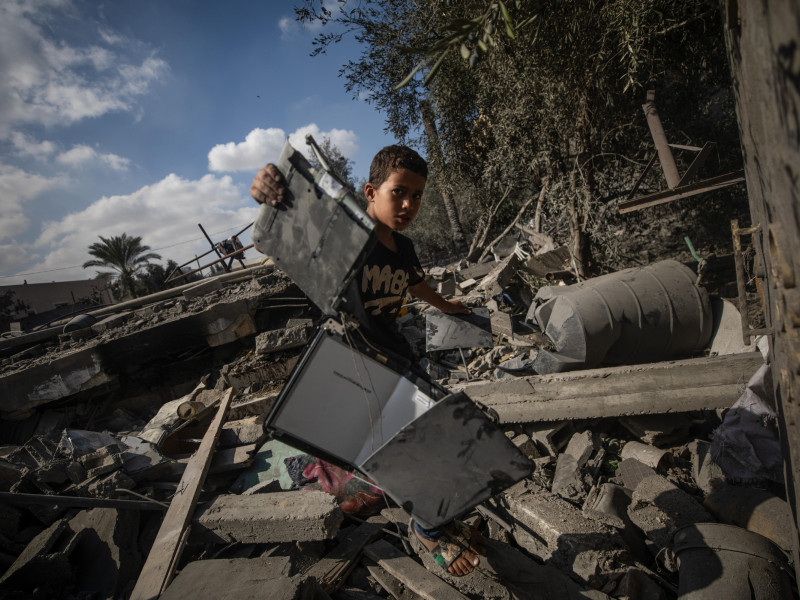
(281, 339)
(301, 516)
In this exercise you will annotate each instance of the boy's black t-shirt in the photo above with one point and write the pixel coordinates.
(378, 290)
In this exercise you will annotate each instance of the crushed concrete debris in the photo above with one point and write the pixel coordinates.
(114, 410)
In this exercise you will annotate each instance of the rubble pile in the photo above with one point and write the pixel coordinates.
(629, 460)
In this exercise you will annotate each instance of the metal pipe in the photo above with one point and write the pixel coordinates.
(660, 139)
(78, 501)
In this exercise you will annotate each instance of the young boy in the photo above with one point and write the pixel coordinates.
(397, 179)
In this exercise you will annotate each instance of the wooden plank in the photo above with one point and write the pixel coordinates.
(698, 162)
(390, 584)
(335, 566)
(706, 185)
(413, 575)
(159, 567)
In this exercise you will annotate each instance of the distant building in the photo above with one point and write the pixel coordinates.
(44, 302)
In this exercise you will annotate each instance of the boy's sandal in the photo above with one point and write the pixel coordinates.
(454, 541)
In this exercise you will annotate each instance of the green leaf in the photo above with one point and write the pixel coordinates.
(434, 69)
(507, 19)
(465, 52)
(408, 77)
(482, 45)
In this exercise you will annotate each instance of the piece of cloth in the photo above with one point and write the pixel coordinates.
(354, 496)
(746, 445)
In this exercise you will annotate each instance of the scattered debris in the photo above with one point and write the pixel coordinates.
(122, 476)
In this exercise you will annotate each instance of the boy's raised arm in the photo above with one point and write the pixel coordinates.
(268, 186)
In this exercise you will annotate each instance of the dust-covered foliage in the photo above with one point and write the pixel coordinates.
(555, 96)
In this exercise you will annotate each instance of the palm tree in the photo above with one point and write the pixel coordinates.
(124, 254)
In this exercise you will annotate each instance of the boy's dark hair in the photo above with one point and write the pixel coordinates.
(390, 159)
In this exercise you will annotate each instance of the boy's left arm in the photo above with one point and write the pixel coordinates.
(425, 292)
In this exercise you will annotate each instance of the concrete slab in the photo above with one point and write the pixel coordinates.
(240, 432)
(558, 533)
(301, 516)
(233, 579)
(657, 388)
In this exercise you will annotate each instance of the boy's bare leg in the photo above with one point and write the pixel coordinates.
(467, 560)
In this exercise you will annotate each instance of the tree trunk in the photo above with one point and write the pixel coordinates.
(437, 158)
(579, 241)
(479, 241)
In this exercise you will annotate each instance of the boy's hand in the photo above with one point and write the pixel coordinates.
(457, 307)
(268, 186)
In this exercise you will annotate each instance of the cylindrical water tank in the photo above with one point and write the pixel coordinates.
(638, 315)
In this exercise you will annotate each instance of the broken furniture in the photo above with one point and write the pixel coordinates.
(638, 315)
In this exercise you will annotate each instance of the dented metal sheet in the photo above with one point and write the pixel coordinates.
(317, 240)
(447, 331)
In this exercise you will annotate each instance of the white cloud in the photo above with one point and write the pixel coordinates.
(261, 146)
(288, 27)
(163, 214)
(16, 188)
(27, 146)
(82, 155)
(51, 82)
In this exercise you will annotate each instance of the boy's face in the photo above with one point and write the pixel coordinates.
(396, 201)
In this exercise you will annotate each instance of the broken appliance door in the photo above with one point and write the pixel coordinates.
(318, 235)
(444, 331)
(436, 454)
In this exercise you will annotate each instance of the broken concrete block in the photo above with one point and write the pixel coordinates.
(467, 284)
(551, 437)
(608, 503)
(300, 516)
(234, 579)
(568, 480)
(44, 564)
(108, 559)
(55, 472)
(281, 339)
(707, 474)
(101, 461)
(633, 471)
(10, 474)
(526, 445)
(241, 432)
(558, 533)
(659, 430)
(755, 510)
(648, 455)
(103, 486)
(659, 508)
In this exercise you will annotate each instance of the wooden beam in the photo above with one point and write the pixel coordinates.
(413, 575)
(707, 185)
(333, 569)
(657, 388)
(698, 162)
(165, 553)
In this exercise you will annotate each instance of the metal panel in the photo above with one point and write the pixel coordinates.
(318, 241)
(447, 331)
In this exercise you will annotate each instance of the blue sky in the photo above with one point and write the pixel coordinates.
(151, 116)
